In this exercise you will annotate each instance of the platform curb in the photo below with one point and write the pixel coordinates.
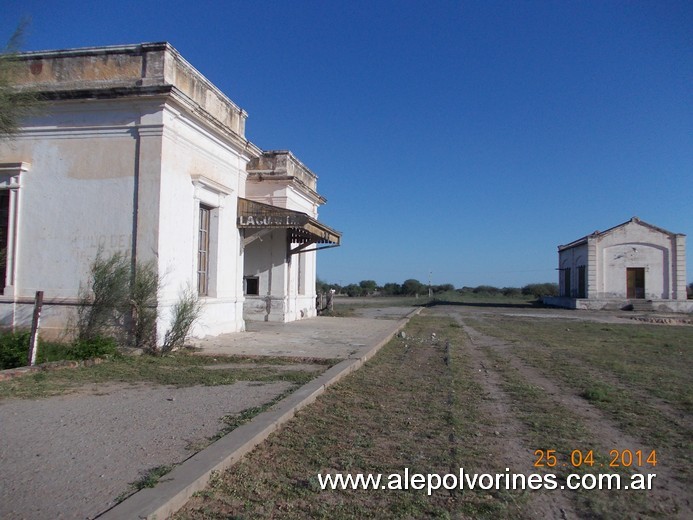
(175, 488)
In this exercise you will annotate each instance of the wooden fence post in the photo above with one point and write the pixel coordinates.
(33, 339)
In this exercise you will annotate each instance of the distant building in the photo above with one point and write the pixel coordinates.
(136, 152)
(632, 264)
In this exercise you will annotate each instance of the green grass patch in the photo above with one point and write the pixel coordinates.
(598, 392)
(640, 376)
(14, 349)
(148, 480)
(177, 369)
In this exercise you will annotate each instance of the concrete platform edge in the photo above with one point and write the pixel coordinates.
(176, 488)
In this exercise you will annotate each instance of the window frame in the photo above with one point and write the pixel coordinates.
(204, 229)
(246, 285)
(10, 182)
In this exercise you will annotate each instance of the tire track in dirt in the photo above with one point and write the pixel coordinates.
(678, 418)
(669, 494)
(504, 435)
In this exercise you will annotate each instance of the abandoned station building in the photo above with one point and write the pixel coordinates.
(634, 264)
(134, 151)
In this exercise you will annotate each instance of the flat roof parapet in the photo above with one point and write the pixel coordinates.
(281, 165)
(122, 70)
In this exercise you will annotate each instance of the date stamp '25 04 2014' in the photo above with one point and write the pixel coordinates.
(586, 458)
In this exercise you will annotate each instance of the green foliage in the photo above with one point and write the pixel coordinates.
(368, 286)
(538, 290)
(411, 287)
(598, 392)
(391, 289)
(324, 287)
(104, 305)
(486, 289)
(95, 347)
(185, 313)
(145, 288)
(321, 286)
(446, 287)
(149, 479)
(119, 304)
(511, 291)
(14, 103)
(354, 290)
(14, 349)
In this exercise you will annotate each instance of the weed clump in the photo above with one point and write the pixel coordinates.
(598, 393)
(14, 349)
(103, 306)
(121, 303)
(185, 313)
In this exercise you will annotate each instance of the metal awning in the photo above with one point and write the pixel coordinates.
(301, 228)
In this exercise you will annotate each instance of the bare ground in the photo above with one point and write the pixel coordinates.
(72, 456)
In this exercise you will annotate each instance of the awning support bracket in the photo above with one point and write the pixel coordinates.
(256, 236)
(294, 251)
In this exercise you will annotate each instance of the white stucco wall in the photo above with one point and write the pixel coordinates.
(75, 200)
(634, 244)
(200, 168)
(265, 258)
(292, 296)
(133, 141)
(618, 258)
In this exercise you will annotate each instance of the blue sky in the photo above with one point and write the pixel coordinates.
(458, 140)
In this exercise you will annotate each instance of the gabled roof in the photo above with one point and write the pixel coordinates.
(597, 234)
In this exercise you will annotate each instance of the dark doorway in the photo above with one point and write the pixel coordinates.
(566, 282)
(582, 282)
(635, 283)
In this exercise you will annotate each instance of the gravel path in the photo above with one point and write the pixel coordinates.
(71, 456)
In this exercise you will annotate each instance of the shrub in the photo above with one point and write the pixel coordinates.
(14, 349)
(486, 290)
(354, 290)
(104, 305)
(412, 286)
(185, 313)
(97, 346)
(537, 290)
(446, 287)
(53, 351)
(391, 289)
(119, 303)
(143, 301)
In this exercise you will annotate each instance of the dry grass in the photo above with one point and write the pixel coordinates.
(418, 405)
(413, 406)
(179, 369)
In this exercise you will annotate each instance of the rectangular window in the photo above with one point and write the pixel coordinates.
(203, 251)
(252, 285)
(4, 234)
